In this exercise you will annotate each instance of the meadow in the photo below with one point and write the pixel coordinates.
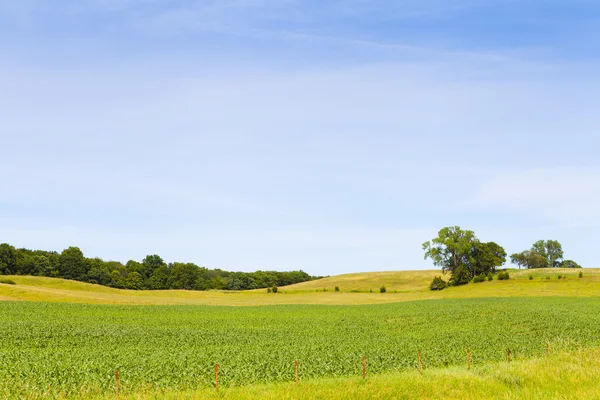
(72, 350)
(355, 289)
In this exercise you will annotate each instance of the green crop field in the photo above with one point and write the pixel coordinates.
(72, 350)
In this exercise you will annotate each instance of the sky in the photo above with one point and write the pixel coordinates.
(327, 136)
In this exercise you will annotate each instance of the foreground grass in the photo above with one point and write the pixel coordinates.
(563, 375)
(354, 289)
(49, 349)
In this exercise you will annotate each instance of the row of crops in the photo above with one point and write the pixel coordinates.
(47, 349)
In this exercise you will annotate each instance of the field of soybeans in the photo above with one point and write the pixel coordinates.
(64, 350)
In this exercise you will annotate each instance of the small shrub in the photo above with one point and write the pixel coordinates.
(503, 276)
(479, 279)
(438, 283)
(382, 289)
(560, 277)
(490, 277)
(370, 290)
(269, 290)
(274, 289)
(580, 274)
(337, 288)
(8, 281)
(530, 277)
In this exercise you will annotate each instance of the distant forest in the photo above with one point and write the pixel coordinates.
(151, 274)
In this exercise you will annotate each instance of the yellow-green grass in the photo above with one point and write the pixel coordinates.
(573, 375)
(354, 289)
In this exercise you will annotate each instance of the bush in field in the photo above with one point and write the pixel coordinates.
(274, 289)
(337, 288)
(490, 277)
(438, 283)
(7, 281)
(580, 274)
(382, 289)
(503, 276)
(530, 277)
(560, 277)
(479, 279)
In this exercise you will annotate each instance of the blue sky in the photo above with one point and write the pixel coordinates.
(328, 136)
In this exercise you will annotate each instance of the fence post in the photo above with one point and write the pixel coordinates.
(364, 366)
(419, 358)
(217, 377)
(296, 363)
(469, 359)
(117, 383)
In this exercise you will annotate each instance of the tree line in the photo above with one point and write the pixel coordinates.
(152, 273)
(460, 253)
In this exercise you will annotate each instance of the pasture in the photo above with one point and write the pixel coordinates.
(355, 289)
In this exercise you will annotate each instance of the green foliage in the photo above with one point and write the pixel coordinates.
(70, 350)
(154, 272)
(543, 254)
(459, 252)
(461, 276)
(490, 276)
(580, 274)
(569, 264)
(72, 264)
(530, 277)
(7, 281)
(8, 259)
(559, 277)
(479, 278)
(503, 276)
(438, 283)
(274, 289)
(382, 289)
(337, 288)
(269, 290)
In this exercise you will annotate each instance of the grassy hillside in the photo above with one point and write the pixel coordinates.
(354, 289)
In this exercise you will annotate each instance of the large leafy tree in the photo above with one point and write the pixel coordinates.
(459, 252)
(451, 249)
(486, 257)
(543, 254)
(551, 250)
(72, 264)
(8, 259)
(149, 264)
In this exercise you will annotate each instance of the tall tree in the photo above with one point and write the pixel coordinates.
(486, 257)
(8, 259)
(543, 254)
(149, 264)
(451, 249)
(72, 264)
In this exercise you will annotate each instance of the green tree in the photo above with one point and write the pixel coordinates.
(549, 249)
(486, 257)
(529, 259)
(42, 266)
(72, 264)
(184, 275)
(8, 259)
(134, 281)
(151, 263)
(452, 250)
(569, 264)
(161, 278)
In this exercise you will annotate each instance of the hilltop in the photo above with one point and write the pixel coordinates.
(354, 289)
